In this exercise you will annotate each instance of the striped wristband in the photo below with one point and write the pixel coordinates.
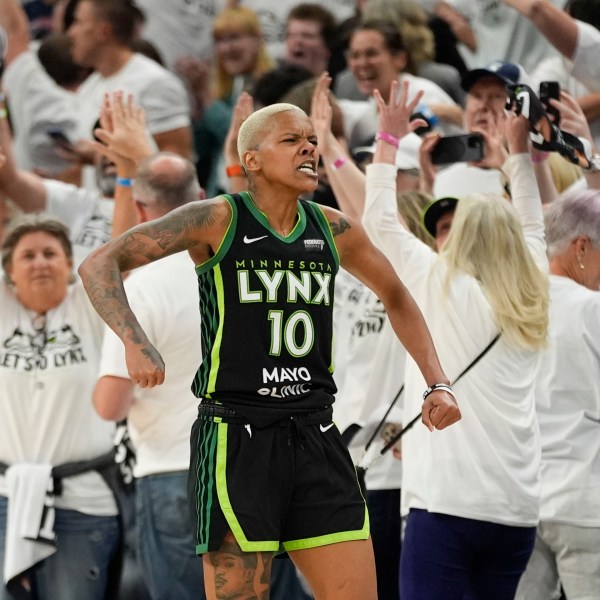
(438, 386)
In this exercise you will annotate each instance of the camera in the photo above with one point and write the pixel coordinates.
(458, 148)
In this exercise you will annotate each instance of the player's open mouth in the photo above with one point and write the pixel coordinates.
(308, 167)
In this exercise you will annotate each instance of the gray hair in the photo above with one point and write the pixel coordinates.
(166, 181)
(575, 214)
(254, 125)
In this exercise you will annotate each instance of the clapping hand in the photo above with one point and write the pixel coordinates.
(123, 133)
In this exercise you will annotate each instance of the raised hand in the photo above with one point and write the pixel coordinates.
(243, 108)
(572, 117)
(394, 116)
(321, 112)
(427, 170)
(123, 131)
(495, 152)
(516, 131)
(196, 74)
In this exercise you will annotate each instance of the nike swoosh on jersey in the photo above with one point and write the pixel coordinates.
(326, 427)
(248, 240)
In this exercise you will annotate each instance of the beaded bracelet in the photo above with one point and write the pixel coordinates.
(388, 137)
(438, 386)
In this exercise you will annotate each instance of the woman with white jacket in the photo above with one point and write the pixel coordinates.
(470, 493)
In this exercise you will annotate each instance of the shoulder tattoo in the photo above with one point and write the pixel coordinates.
(339, 227)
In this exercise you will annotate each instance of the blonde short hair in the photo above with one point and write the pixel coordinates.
(255, 124)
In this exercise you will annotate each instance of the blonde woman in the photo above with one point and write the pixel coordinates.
(471, 494)
(240, 58)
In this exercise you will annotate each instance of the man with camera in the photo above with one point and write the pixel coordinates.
(484, 122)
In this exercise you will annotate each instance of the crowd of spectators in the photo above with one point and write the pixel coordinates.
(116, 112)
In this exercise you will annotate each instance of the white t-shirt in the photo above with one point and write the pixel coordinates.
(369, 363)
(87, 214)
(47, 378)
(164, 298)
(159, 92)
(36, 105)
(568, 406)
(586, 66)
(461, 179)
(504, 34)
(486, 466)
(180, 27)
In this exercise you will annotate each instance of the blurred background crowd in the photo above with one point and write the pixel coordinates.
(115, 112)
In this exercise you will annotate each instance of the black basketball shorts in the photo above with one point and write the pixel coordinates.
(286, 487)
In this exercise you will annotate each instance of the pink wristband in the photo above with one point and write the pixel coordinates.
(388, 137)
(339, 162)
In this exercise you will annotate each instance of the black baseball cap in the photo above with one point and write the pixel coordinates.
(504, 71)
(434, 211)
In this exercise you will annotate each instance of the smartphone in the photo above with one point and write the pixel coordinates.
(59, 138)
(550, 89)
(458, 148)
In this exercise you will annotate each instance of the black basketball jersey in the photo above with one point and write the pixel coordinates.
(266, 304)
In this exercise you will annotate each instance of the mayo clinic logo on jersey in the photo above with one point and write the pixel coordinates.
(314, 245)
(295, 381)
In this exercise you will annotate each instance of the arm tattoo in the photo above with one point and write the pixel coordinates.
(339, 228)
(170, 234)
(101, 272)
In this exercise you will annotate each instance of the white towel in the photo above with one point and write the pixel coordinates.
(30, 520)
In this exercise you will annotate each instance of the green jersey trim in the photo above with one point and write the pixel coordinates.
(225, 503)
(262, 219)
(323, 221)
(225, 243)
(215, 359)
(326, 227)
